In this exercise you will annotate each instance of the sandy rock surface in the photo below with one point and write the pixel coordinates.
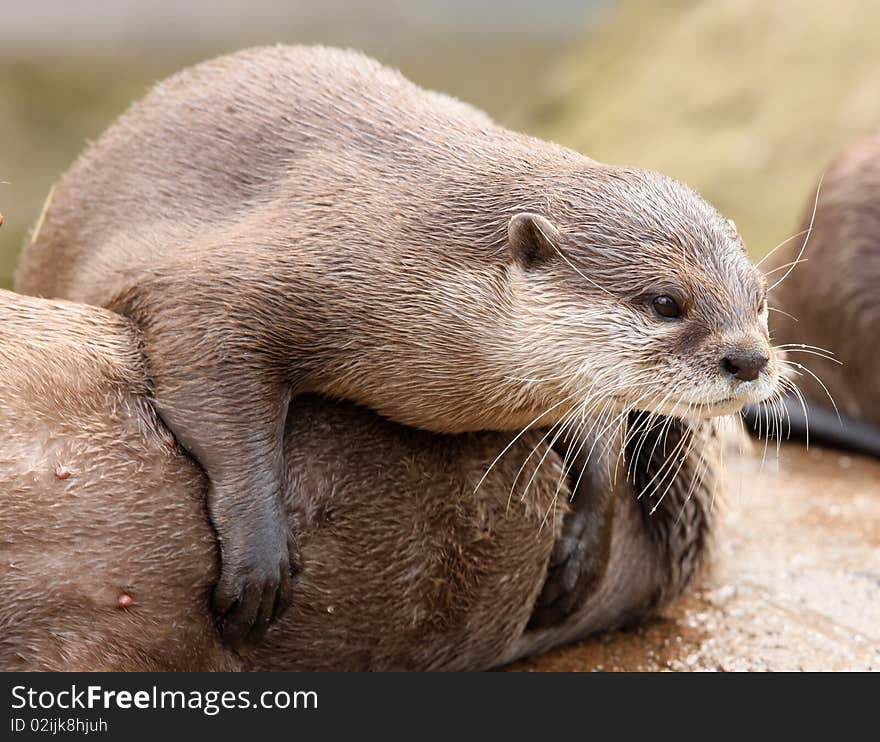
(796, 584)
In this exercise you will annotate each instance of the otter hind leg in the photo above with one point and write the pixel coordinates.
(582, 548)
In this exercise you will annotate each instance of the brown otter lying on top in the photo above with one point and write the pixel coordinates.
(294, 220)
(107, 559)
(829, 305)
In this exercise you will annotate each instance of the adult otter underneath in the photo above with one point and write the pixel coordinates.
(289, 220)
(107, 558)
(830, 303)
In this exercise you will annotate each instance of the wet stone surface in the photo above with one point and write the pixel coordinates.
(796, 583)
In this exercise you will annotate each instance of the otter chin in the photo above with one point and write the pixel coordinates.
(762, 389)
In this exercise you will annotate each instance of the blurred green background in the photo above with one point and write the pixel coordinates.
(746, 100)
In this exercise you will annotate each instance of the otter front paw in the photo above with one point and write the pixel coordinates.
(574, 570)
(254, 589)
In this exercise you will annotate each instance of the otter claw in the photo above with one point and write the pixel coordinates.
(248, 599)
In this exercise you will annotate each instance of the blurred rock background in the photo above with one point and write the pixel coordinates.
(746, 100)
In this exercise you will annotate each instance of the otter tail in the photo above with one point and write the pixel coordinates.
(822, 426)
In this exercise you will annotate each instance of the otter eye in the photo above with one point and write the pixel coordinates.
(666, 306)
(762, 305)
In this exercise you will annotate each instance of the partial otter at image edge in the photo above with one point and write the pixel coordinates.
(109, 559)
(827, 308)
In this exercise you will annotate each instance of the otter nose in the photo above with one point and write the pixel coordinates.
(745, 365)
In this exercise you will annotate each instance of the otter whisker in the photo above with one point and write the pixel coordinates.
(766, 410)
(589, 456)
(784, 242)
(567, 462)
(571, 459)
(697, 477)
(776, 406)
(594, 433)
(773, 408)
(828, 355)
(677, 453)
(648, 428)
(624, 416)
(526, 460)
(660, 440)
(759, 423)
(667, 426)
(819, 382)
(660, 470)
(814, 353)
(785, 415)
(520, 435)
(684, 457)
(721, 463)
(568, 420)
(790, 264)
(616, 423)
(780, 311)
(571, 454)
(772, 426)
(559, 424)
(792, 387)
(583, 440)
(636, 428)
(623, 420)
(640, 425)
(806, 240)
(805, 345)
(567, 459)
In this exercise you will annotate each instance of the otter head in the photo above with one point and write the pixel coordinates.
(635, 293)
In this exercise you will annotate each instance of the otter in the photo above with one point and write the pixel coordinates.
(302, 220)
(828, 306)
(108, 556)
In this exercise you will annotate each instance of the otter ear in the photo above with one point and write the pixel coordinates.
(532, 238)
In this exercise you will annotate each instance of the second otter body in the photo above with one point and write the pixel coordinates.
(107, 559)
(291, 220)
